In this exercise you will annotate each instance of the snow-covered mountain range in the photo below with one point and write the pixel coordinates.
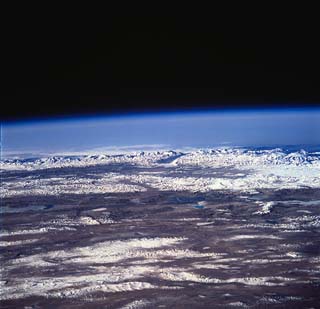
(244, 170)
(204, 157)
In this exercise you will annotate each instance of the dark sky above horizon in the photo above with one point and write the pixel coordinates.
(58, 63)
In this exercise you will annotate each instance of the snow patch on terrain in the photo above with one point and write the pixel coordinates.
(265, 209)
(7, 243)
(240, 237)
(173, 274)
(113, 266)
(41, 230)
(142, 303)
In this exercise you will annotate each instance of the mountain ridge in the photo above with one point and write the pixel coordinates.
(207, 157)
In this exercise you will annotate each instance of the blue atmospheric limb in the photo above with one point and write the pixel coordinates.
(203, 128)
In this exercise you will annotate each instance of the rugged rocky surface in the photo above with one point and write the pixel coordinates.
(221, 228)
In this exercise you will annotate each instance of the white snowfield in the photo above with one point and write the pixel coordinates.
(121, 266)
(217, 169)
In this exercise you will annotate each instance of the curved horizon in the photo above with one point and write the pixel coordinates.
(197, 129)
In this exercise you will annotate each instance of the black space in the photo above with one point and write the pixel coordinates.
(66, 64)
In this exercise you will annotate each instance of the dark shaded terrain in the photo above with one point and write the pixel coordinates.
(282, 245)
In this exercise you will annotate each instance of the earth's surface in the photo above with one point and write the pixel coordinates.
(220, 228)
